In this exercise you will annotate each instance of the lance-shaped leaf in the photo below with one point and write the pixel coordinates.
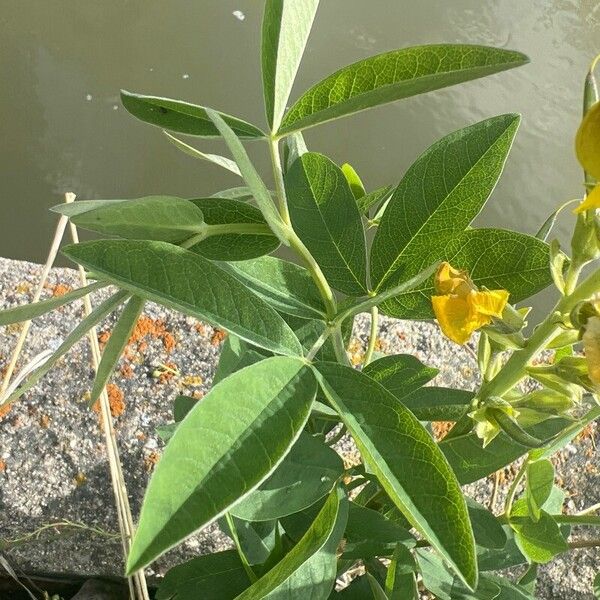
(434, 403)
(97, 315)
(236, 230)
(216, 159)
(183, 117)
(401, 580)
(487, 529)
(116, 344)
(372, 198)
(540, 479)
(287, 287)
(407, 463)
(189, 283)
(395, 75)
(326, 218)
(470, 461)
(227, 445)
(26, 312)
(309, 569)
(439, 196)
(163, 218)
(307, 474)
(218, 576)
(494, 258)
(285, 29)
(400, 374)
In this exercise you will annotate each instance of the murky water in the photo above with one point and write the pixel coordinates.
(63, 62)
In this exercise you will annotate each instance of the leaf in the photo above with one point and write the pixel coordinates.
(257, 186)
(392, 76)
(309, 568)
(406, 461)
(540, 479)
(26, 312)
(325, 217)
(287, 287)
(376, 589)
(187, 282)
(213, 462)
(508, 590)
(116, 344)
(494, 258)
(487, 529)
(162, 218)
(218, 576)
(307, 474)
(439, 196)
(176, 115)
(233, 353)
(354, 181)
(285, 30)
(494, 559)
(294, 146)
(372, 198)
(540, 541)
(437, 403)
(470, 461)
(597, 585)
(401, 582)
(257, 540)
(97, 315)
(248, 235)
(236, 193)
(369, 534)
(400, 374)
(216, 159)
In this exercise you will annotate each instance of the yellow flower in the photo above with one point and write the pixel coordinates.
(591, 346)
(592, 200)
(587, 142)
(460, 307)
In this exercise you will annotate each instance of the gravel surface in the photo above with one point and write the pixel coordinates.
(52, 456)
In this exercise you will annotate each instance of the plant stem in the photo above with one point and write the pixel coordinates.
(234, 536)
(279, 184)
(317, 345)
(225, 229)
(372, 335)
(591, 543)
(593, 520)
(339, 347)
(512, 490)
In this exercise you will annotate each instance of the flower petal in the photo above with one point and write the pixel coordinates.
(592, 200)
(587, 142)
(455, 317)
(489, 302)
(591, 346)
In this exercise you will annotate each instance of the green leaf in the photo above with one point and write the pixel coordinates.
(540, 479)
(285, 30)
(407, 463)
(309, 569)
(508, 590)
(439, 196)
(216, 159)
(259, 190)
(294, 146)
(234, 352)
(97, 315)
(287, 287)
(369, 534)
(494, 258)
(470, 461)
(307, 474)
(395, 75)
(236, 193)
(597, 585)
(401, 581)
(372, 198)
(488, 531)
(236, 230)
(183, 117)
(400, 374)
(213, 462)
(437, 403)
(325, 217)
(376, 589)
(218, 576)
(495, 559)
(116, 344)
(257, 540)
(354, 181)
(162, 218)
(187, 282)
(26, 312)
(72, 209)
(540, 541)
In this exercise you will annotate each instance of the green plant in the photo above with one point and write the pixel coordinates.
(256, 453)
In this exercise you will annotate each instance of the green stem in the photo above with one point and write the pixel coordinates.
(593, 520)
(226, 229)
(512, 490)
(234, 536)
(372, 335)
(339, 346)
(279, 184)
(317, 345)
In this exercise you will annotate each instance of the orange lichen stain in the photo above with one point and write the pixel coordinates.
(441, 428)
(201, 329)
(80, 479)
(168, 340)
(44, 421)
(586, 433)
(127, 371)
(168, 374)
(116, 401)
(218, 336)
(192, 381)
(60, 289)
(140, 435)
(198, 394)
(151, 460)
(380, 345)
(2, 465)
(103, 338)
(4, 410)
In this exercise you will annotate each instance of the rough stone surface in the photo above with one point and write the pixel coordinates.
(52, 456)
